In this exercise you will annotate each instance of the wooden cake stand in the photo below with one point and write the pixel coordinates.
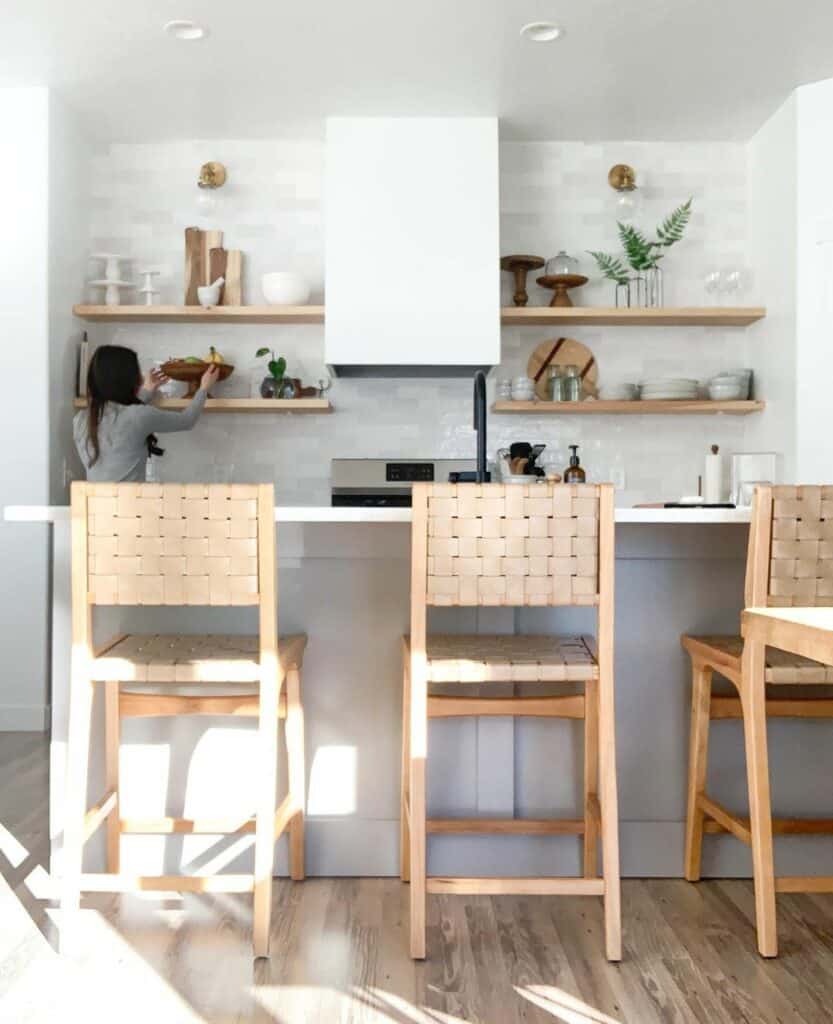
(561, 284)
(520, 267)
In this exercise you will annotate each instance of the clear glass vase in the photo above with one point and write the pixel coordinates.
(653, 288)
(623, 294)
(638, 291)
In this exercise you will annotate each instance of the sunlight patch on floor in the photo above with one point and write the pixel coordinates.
(563, 1006)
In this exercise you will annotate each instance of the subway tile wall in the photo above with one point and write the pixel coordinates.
(553, 196)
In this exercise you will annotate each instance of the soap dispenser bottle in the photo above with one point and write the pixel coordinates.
(574, 473)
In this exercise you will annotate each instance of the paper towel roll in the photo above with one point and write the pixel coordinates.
(713, 478)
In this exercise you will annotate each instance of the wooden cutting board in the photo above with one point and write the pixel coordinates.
(233, 290)
(563, 352)
(193, 265)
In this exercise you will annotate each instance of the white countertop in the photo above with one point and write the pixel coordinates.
(327, 514)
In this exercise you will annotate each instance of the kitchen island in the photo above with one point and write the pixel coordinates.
(344, 580)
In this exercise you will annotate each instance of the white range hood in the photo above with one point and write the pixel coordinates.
(412, 246)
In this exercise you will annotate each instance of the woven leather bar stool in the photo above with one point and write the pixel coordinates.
(789, 563)
(494, 544)
(180, 544)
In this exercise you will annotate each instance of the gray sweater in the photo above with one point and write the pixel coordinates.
(123, 432)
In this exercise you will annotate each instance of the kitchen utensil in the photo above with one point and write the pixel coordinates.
(713, 477)
(285, 288)
(112, 290)
(572, 383)
(562, 352)
(555, 386)
(209, 294)
(233, 290)
(193, 266)
(217, 267)
(561, 284)
(190, 373)
(520, 267)
(209, 240)
(147, 288)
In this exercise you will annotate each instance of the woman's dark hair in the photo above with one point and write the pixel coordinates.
(114, 375)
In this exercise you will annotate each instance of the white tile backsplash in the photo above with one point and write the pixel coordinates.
(553, 196)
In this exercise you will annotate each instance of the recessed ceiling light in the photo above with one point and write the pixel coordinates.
(542, 31)
(189, 31)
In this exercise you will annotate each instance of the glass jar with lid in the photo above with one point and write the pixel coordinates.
(555, 384)
(572, 384)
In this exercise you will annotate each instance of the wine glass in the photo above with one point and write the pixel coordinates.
(324, 385)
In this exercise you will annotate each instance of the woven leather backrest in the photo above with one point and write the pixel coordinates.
(801, 555)
(506, 544)
(172, 544)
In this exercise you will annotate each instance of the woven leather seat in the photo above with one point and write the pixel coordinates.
(725, 653)
(178, 658)
(510, 659)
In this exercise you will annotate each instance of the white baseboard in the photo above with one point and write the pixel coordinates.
(24, 718)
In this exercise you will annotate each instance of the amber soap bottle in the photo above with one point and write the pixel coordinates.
(574, 473)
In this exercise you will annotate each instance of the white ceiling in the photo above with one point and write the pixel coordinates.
(636, 69)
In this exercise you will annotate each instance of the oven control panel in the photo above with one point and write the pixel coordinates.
(409, 472)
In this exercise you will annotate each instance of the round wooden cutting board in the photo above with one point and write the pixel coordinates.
(563, 352)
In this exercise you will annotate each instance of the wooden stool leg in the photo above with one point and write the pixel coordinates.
(753, 701)
(265, 824)
(404, 828)
(591, 779)
(75, 804)
(112, 733)
(295, 753)
(417, 755)
(609, 815)
(698, 750)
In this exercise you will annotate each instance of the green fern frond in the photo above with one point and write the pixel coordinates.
(638, 249)
(672, 228)
(611, 266)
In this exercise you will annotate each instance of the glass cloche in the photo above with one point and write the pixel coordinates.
(562, 264)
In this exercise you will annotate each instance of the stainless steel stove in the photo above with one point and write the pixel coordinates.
(386, 483)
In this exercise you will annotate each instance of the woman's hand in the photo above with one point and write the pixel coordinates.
(154, 379)
(210, 377)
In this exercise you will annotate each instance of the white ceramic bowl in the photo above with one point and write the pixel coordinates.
(726, 392)
(285, 288)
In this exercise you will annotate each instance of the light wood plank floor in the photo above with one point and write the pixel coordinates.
(340, 949)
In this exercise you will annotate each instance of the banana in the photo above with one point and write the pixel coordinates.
(214, 357)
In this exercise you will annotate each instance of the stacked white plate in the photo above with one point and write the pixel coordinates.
(663, 389)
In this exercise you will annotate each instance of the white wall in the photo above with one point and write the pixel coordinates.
(24, 411)
(814, 275)
(552, 195)
(69, 219)
(772, 171)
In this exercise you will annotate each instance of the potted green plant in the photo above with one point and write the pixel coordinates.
(643, 257)
(276, 384)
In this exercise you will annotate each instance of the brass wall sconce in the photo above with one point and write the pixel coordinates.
(212, 175)
(622, 179)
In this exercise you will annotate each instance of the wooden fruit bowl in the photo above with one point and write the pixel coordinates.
(190, 373)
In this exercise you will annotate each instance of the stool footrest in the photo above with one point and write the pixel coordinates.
(516, 886)
(729, 822)
(782, 826)
(207, 826)
(804, 883)
(801, 707)
(166, 883)
(510, 826)
(564, 706)
(98, 813)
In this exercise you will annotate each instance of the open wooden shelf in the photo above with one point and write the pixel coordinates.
(706, 316)
(319, 405)
(636, 408)
(198, 315)
(692, 316)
